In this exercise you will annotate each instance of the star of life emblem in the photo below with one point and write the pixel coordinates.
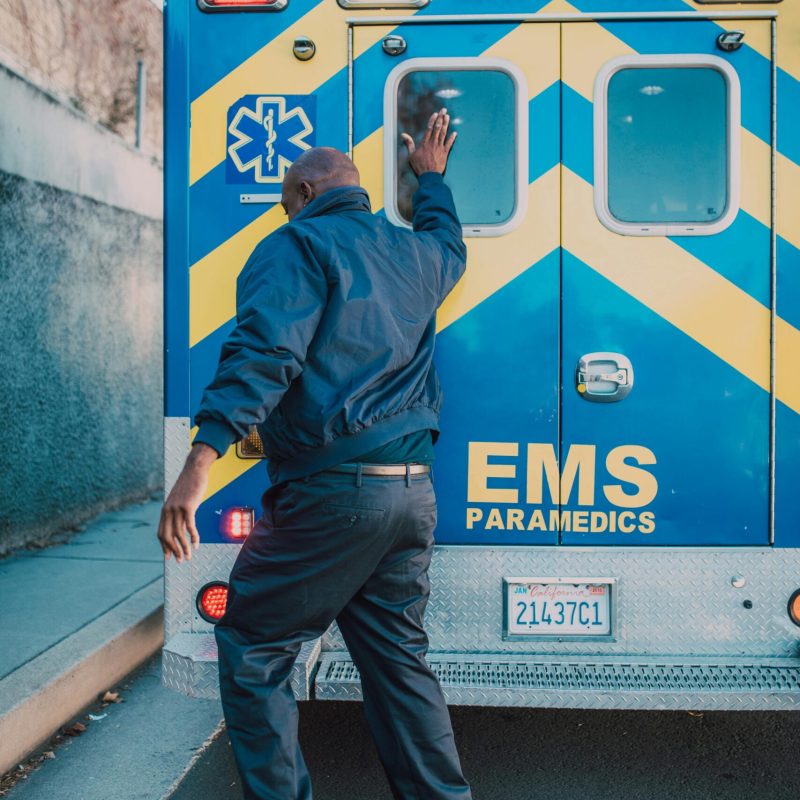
(266, 134)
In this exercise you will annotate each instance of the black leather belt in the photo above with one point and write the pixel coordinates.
(382, 469)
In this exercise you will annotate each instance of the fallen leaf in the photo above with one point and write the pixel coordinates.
(75, 730)
(695, 714)
(49, 754)
(111, 697)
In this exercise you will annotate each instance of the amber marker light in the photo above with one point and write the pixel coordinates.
(794, 608)
(211, 601)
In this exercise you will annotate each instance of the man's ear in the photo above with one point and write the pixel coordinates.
(307, 192)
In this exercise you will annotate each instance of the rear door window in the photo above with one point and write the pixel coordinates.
(487, 171)
(667, 133)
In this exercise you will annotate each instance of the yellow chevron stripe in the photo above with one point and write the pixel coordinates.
(368, 157)
(536, 52)
(788, 199)
(756, 170)
(788, 36)
(757, 34)
(787, 357)
(274, 70)
(212, 280)
(588, 45)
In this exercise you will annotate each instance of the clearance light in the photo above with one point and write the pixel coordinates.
(794, 607)
(251, 446)
(237, 522)
(211, 601)
(242, 5)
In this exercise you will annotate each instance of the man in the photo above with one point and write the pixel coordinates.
(331, 359)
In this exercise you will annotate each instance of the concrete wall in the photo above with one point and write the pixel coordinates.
(80, 316)
(85, 53)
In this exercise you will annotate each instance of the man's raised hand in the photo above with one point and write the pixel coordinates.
(434, 149)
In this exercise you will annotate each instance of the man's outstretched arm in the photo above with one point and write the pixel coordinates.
(434, 212)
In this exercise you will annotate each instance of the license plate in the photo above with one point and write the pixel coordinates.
(557, 607)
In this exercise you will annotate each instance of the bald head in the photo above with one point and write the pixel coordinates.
(316, 171)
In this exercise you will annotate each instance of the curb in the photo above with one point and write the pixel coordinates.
(39, 697)
(200, 753)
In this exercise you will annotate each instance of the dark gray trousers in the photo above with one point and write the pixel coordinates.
(357, 550)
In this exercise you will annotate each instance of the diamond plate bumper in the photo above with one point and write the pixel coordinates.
(189, 665)
(575, 682)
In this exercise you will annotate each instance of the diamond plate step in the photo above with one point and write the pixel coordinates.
(189, 665)
(639, 683)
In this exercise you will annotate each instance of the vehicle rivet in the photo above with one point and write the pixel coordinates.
(304, 49)
(738, 581)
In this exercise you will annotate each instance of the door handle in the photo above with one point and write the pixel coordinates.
(604, 377)
(394, 45)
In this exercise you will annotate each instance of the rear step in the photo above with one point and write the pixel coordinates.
(189, 665)
(497, 679)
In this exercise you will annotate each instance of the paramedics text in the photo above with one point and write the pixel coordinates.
(496, 472)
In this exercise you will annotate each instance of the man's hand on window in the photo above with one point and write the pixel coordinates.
(177, 531)
(434, 149)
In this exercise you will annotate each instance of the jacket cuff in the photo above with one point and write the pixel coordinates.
(216, 434)
(429, 178)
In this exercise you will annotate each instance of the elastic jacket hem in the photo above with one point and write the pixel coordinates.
(216, 434)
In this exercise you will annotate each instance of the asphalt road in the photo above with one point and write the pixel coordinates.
(522, 754)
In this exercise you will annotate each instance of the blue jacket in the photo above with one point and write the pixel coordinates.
(335, 329)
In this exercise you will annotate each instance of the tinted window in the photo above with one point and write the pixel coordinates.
(667, 145)
(481, 171)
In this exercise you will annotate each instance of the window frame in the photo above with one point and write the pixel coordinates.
(391, 133)
(733, 128)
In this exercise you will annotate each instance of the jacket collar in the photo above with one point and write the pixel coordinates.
(336, 201)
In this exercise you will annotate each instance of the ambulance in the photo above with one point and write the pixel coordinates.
(618, 471)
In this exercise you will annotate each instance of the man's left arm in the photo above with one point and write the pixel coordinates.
(281, 296)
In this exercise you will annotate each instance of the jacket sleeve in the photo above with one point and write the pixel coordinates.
(435, 217)
(280, 296)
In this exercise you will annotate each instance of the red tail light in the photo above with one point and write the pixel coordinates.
(794, 607)
(211, 601)
(266, 5)
(237, 522)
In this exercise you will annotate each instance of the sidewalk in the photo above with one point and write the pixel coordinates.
(144, 748)
(76, 619)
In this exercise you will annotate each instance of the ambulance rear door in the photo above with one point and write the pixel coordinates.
(666, 284)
